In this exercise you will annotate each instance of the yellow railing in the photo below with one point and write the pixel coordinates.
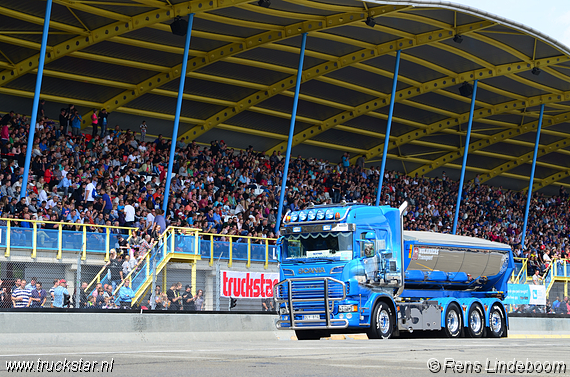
(551, 268)
(97, 277)
(173, 230)
(135, 269)
(230, 239)
(516, 278)
(37, 225)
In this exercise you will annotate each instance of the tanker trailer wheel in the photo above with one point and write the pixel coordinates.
(382, 324)
(497, 323)
(476, 321)
(453, 323)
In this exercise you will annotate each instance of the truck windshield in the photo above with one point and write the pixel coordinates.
(337, 246)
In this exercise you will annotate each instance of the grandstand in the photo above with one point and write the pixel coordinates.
(86, 190)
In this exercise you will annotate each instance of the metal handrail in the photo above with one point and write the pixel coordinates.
(523, 268)
(98, 276)
(37, 224)
(249, 239)
(549, 274)
(139, 263)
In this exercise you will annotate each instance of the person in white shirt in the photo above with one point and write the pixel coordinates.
(43, 196)
(52, 202)
(129, 215)
(150, 218)
(90, 190)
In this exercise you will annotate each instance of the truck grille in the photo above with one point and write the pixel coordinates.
(307, 298)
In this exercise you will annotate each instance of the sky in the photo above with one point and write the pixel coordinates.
(551, 17)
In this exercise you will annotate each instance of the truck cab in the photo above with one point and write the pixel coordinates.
(335, 262)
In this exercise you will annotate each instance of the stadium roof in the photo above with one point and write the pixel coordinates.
(121, 55)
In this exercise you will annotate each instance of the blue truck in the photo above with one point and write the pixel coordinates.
(352, 268)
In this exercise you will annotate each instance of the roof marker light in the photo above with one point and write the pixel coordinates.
(294, 216)
(312, 215)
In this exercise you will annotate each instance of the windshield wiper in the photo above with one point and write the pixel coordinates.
(325, 258)
(296, 260)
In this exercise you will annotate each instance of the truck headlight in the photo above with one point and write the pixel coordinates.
(347, 308)
(284, 310)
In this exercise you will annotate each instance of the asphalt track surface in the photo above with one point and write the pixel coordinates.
(349, 357)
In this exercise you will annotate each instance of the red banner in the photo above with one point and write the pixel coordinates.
(239, 284)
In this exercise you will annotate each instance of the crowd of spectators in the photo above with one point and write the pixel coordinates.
(116, 178)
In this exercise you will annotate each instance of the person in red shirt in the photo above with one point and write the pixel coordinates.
(48, 174)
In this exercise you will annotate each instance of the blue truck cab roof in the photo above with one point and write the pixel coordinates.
(337, 213)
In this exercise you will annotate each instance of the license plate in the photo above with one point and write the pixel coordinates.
(311, 317)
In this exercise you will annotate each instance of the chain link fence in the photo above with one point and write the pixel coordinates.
(22, 281)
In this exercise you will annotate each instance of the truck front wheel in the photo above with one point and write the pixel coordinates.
(382, 324)
(453, 323)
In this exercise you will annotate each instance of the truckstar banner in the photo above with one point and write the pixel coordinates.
(238, 284)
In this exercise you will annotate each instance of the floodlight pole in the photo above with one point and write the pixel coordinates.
(291, 132)
(24, 188)
(177, 116)
(465, 154)
(529, 192)
(388, 126)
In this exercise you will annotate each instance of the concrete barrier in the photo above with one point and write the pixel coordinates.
(53, 328)
(115, 328)
(530, 327)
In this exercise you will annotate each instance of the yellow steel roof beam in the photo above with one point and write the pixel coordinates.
(94, 10)
(325, 6)
(415, 91)
(226, 52)
(514, 52)
(109, 31)
(518, 161)
(469, 76)
(493, 139)
(315, 73)
(18, 15)
(49, 97)
(551, 179)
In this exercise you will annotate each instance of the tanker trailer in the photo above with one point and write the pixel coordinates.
(351, 268)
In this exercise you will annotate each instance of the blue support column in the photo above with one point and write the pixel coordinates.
(529, 193)
(177, 116)
(24, 189)
(388, 127)
(291, 132)
(465, 154)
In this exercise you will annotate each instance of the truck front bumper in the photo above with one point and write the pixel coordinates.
(309, 303)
